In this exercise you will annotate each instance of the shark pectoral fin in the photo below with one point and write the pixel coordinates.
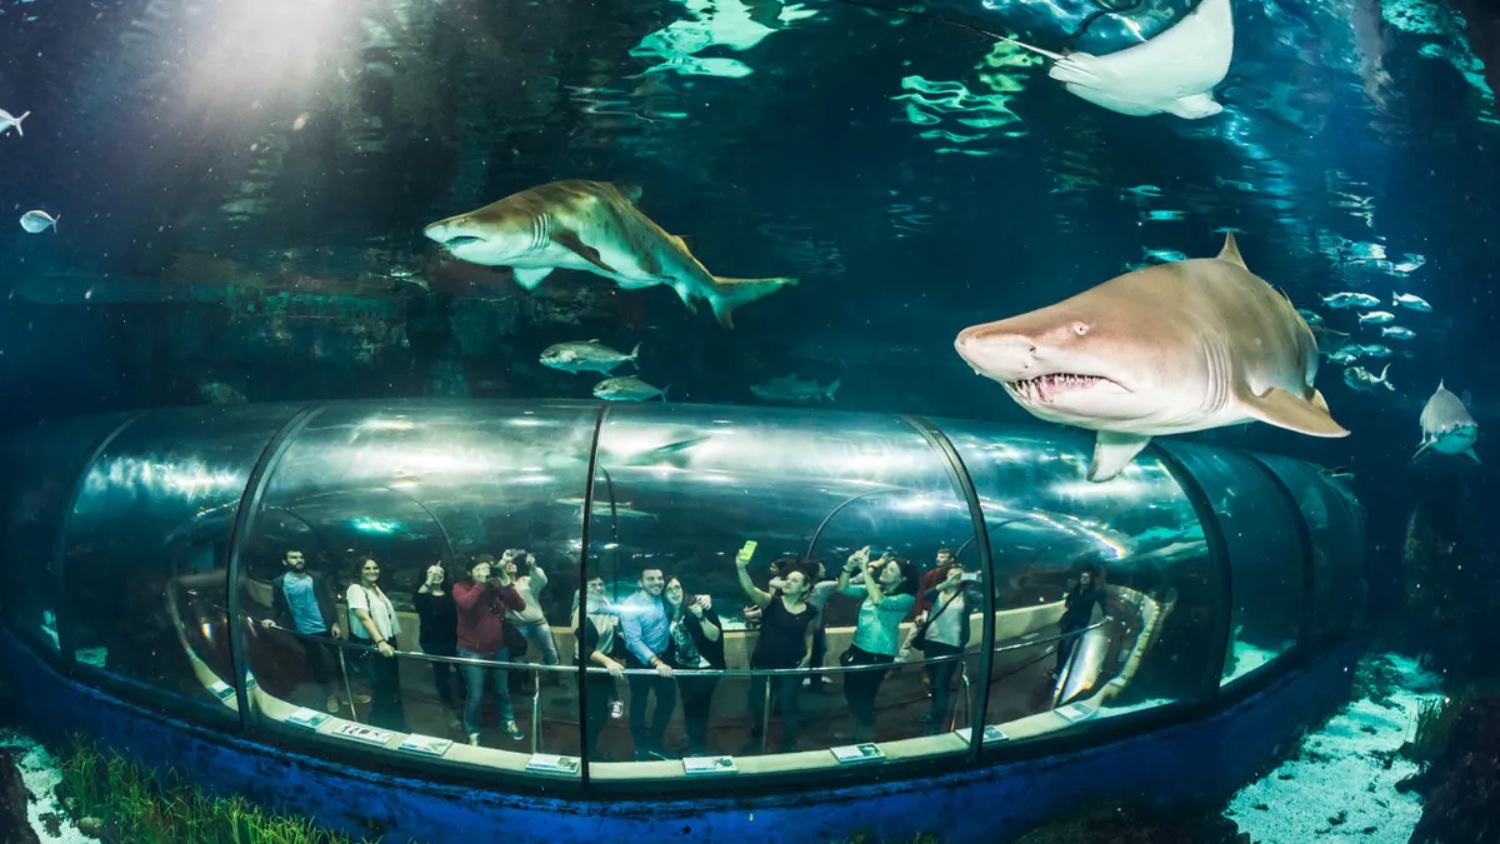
(1194, 106)
(569, 240)
(629, 190)
(730, 293)
(1319, 402)
(1284, 410)
(1081, 69)
(1470, 451)
(1113, 451)
(530, 277)
(1422, 449)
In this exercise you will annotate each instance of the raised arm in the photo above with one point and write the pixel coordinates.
(756, 595)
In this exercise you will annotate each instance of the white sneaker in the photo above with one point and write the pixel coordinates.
(474, 739)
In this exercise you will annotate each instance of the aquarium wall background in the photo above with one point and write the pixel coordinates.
(240, 191)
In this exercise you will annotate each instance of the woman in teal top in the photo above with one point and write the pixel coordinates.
(888, 587)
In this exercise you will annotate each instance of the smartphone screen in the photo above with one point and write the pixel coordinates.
(969, 576)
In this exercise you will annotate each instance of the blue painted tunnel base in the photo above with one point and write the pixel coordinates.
(1197, 763)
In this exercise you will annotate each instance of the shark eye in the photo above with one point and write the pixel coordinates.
(1080, 328)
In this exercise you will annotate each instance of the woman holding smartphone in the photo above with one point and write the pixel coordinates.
(785, 642)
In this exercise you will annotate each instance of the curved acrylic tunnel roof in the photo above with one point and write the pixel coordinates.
(1213, 575)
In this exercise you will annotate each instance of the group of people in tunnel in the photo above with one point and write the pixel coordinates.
(665, 641)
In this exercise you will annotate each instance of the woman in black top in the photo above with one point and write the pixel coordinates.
(1078, 610)
(697, 643)
(439, 635)
(786, 640)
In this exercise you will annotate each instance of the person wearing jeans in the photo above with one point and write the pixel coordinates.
(483, 598)
(530, 622)
(887, 588)
(648, 640)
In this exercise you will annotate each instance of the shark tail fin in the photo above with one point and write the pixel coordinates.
(833, 388)
(664, 393)
(23, 116)
(1382, 377)
(54, 219)
(730, 293)
(1231, 253)
(1395, 298)
(635, 355)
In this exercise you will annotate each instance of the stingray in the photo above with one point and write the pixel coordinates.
(1173, 73)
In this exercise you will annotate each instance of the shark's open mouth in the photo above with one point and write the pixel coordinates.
(1046, 388)
(462, 240)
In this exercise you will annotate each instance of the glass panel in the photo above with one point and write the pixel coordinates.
(424, 490)
(678, 492)
(1266, 566)
(147, 549)
(41, 470)
(1337, 522)
(1104, 593)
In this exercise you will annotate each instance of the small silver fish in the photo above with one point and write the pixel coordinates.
(1310, 317)
(587, 356)
(1165, 256)
(628, 388)
(38, 221)
(1409, 300)
(1377, 317)
(793, 388)
(8, 122)
(1398, 332)
(1350, 300)
(1360, 378)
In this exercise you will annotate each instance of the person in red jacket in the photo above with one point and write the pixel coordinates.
(483, 596)
(931, 579)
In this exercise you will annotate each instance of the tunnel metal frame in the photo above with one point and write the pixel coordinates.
(1210, 696)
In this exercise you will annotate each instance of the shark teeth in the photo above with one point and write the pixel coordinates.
(1045, 388)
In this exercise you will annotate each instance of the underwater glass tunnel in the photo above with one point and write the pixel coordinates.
(144, 550)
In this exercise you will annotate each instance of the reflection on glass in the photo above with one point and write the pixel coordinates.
(756, 520)
(1335, 519)
(1104, 592)
(448, 532)
(41, 468)
(1262, 535)
(147, 549)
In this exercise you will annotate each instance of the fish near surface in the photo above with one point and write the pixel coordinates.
(594, 227)
(1447, 426)
(1168, 349)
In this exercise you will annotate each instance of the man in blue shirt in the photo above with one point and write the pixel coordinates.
(648, 639)
(302, 601)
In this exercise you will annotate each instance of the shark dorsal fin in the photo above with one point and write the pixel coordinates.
(1231, 252)
(1440, 384)
(629, 190)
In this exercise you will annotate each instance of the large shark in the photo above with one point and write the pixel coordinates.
(1447, 427)
(1173, 73)
(595, 227)
(1166, 349)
